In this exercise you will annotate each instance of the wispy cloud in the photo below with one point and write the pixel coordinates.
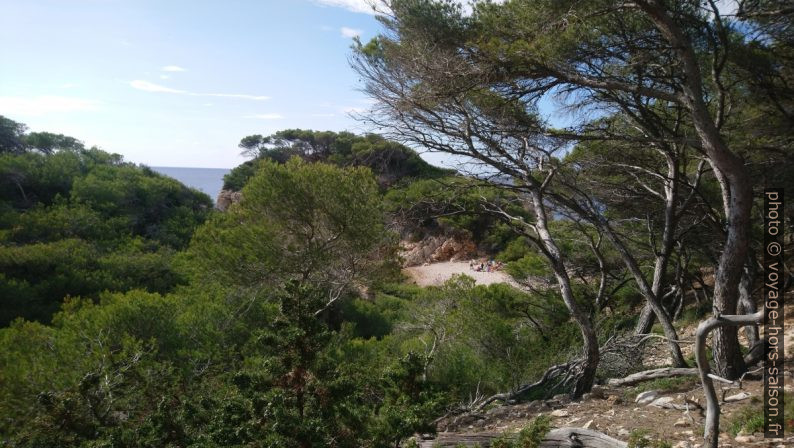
(164, 77)
(354, 110)
(147, 86)
(361, 6)
(173, 68)
(266, 116)
(350, 32)
(152, 87)
(41, 105)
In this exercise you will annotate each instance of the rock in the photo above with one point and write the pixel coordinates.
(588, 425)
(682, 423)
(646, 397)
(738, 397)
(661, 402)
(744, 438)
(597, 392)
(560, 413)
(499, 411)
(226, 198)
(466, 419)
(533, 406)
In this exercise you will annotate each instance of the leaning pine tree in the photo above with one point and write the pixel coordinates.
(472, 84)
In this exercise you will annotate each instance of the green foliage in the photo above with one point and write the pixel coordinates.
(12, 135)
(749, 419)
(486, 339)
(530, 437)
(76, 222)
(389, 161)
(312, 222)
(453, 203)
(639, 438)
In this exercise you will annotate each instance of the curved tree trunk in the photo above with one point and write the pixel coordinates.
(589, 338)
(734, 183)
(712, 423)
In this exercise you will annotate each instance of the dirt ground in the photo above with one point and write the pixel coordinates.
(614, 411)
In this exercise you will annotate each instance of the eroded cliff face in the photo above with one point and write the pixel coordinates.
(433, 248)
(226, 198)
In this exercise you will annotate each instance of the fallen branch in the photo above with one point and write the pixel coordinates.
(561, 437)
(647, 375)
(579, 437)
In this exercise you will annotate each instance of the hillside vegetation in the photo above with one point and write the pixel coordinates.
(136, 315)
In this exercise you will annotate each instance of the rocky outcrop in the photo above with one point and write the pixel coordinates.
(437, 248)
(226, 198)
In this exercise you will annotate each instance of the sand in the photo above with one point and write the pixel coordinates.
(435, 274)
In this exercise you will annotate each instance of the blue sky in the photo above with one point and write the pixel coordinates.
(178, 83)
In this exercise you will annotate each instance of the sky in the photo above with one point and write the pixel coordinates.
(176, 82)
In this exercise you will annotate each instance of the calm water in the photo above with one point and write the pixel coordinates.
(208, 180)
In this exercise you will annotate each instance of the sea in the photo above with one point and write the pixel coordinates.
(208, 180)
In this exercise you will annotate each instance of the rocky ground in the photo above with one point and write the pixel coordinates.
(672, 413)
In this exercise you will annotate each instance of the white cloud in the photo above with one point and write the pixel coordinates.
(147, 86)
(266, 116)
(173, 68)
(152, 87)
(40, 105)
(350, 32)
(727, 7)
(361, 6)
(164, 77)
(354, 110)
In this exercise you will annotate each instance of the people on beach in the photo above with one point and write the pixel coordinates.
(485, 266)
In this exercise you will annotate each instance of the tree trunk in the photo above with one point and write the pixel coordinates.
(650, 297)
(560, 437)
(734, 183)
(746, 303)
(589, 338)
(645, 322)
(712, 423)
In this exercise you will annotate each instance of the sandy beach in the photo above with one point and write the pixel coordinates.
(435, 274)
